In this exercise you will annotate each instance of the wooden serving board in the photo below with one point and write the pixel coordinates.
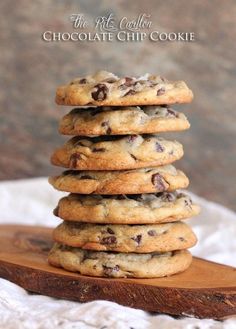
(206, 290)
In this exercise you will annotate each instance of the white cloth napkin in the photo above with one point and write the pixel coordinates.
(31, 202)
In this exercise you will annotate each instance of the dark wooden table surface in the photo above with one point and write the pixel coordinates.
(31, 69)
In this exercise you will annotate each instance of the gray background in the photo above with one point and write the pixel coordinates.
(31, 69)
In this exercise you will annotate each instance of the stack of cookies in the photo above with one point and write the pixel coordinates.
(123, 215)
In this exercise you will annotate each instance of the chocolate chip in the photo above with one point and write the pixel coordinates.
(188, 202)
(137, 238)
(99, 92)
(172, 113)
(73, 160)
(106, 124)
(110, 231)
(167, 197)
(99, 149)
(108, 270)
(134, 157)
(159, 147)
(85, 177)
(108, 240)
(129, 81)
(109, 131)
(161, 91)
(157, 181)
(83, 81)
(132, 138)
(130, 92)
(152, 233)
(181, 239)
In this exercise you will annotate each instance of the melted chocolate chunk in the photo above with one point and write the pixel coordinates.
(108, 270)
(172, 113)
(152, 233)
(73, 160)
(99, 149)
(157, 181)
(83, 81)
(137, 238)
(168, 197)
(105, 123)
(159, 147)
(109, 240)
(188, 202)
(109, 131)
(110, 231)
(130, 92)
(128, 83)
(108, 128)
(99, 92)
(134, 157)
(132, 138)
(161, 91)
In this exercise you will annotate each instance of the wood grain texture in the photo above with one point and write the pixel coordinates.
(206, 290)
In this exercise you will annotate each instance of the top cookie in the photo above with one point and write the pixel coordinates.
(105, 88)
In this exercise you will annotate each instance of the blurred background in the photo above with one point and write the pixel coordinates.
(31, 69)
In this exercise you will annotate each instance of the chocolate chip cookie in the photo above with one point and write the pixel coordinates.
(126, 209)
(126, 238)
(116, 265)
(145, 180)
(116, 153)
(122, 120)
(106, 89)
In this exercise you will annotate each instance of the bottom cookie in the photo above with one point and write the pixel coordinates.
(117, 265)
